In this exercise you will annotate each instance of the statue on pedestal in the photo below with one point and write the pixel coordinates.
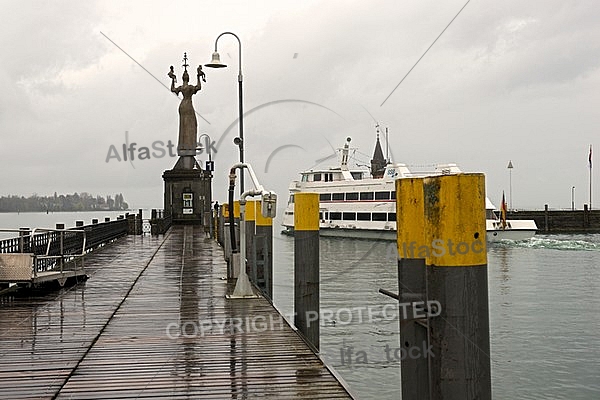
(188, 125)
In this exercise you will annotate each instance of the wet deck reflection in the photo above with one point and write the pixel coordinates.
(152, 321)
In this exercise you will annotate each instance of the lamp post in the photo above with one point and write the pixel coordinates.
(573, 198)
(216, 63)
(510, 168)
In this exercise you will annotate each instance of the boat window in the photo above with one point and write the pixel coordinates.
(337, 196)
(357, 176)
(351, 196)
(349, 216)
(393, 195)
(316, 177)
(321, 216)
(304, 177)
(326, 215)
(380, 216)
(382, 195)
(335, 216)
(363, 216)
(392, 217)
(328, 177)
(291, 199)
(366, 195)
(325, 197)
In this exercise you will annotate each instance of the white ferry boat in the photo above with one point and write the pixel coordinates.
(358, 203)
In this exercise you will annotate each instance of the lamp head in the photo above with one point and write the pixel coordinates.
(215, 62)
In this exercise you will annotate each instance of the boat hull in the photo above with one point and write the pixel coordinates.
(390, 235)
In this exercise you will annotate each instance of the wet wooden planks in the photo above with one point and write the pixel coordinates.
(173, 334)
(43, 337)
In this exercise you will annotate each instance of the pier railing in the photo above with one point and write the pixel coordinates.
(160, 222)
(51, 242)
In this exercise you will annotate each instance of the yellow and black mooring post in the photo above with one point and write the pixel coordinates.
(412, 289)
(306, 266)
(250, 218)
(264, 252)
(449, 234)
(457, 278)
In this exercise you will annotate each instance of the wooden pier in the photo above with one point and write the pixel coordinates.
(153, 322)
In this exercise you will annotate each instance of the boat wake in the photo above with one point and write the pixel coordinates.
(556, 243)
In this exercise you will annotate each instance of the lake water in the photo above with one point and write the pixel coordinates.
(544, 310)
(544, 314)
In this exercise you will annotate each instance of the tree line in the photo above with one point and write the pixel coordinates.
(70, 202)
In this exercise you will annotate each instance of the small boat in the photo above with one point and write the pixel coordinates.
(499, 228)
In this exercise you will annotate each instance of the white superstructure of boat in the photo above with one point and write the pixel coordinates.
(358, 203)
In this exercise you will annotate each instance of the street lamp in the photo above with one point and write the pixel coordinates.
(573, 198)
(216, 63)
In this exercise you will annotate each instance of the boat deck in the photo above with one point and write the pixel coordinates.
(153, 322)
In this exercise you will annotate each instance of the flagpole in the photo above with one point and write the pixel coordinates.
(590, 160)
(590, 186)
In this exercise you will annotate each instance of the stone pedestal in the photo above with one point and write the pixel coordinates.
(188, 195)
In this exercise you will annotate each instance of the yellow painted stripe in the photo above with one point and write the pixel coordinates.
(410, 217)
(306, 211)
(225, 210)
(260, 220)
(236, 209)
(454, 210)
(251, 210)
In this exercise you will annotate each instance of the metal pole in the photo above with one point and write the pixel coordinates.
(240, 100)
(510, 168)
(573, 198)
(241, 112)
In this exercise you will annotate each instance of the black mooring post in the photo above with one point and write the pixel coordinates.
(443, 291)
(456, 275)
(306, 266)
(264, 235)
(412, 288)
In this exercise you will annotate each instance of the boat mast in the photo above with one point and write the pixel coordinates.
(387, 146)
(344, 163)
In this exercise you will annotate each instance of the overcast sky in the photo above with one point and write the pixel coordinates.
(509, 80)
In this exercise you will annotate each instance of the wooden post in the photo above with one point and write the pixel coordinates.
(306, 266)
(455, 237)
(138, 225)
(264, 236)
(412, 286)
(62, 244)
(24, 240)
(546, 217)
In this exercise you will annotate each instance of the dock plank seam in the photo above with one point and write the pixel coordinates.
(102, 329)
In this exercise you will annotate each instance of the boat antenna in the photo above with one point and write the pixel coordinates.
(387, 146)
